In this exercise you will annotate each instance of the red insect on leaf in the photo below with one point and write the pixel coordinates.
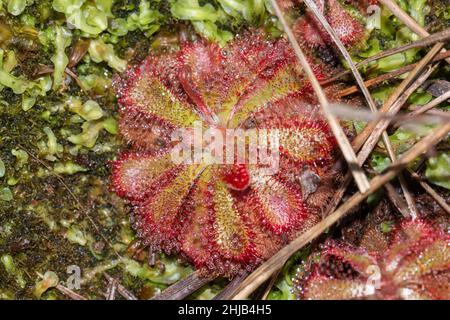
(416, 265)
(222, 217)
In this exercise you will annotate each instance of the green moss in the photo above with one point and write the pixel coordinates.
(2, 168)
(6, 194)
(12, 270)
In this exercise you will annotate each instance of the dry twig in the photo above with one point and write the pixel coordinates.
(312, 6)
(394, 102)
(391, 107)
(396, 200)
(388, 76)
(230, 290)
(345, 146)
(112, 288)
(184, 287)
(69, 293)
(444, 205)
(430, 105)
(432, 39)
(121, 289)
(276, 262)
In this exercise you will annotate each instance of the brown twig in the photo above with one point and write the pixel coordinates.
(312, 6)
(396, 200)
(69, 293)
(432, 39)
(430, 105)
(392, 106)
(274, 263)
(430, 191)
(230, 290)
(349, 113)
(345, 146)
(368, 130)
(112, 288)
(261, 274)
(124, 292)
(184, 287)
(270, 284)
(413, 213)
(388, 76)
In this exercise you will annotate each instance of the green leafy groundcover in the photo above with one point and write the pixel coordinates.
(58, 133)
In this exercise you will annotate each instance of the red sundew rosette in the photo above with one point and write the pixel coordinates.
(222, 218)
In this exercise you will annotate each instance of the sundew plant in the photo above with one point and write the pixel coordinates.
(351, 99)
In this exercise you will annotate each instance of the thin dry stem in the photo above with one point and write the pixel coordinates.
(230, 290)
(345, 146)
(124, 292)
(350, 113)
(270, 284)
(432, 39)
(184, 287)
(391, 107)
(312, 6)
(112, 288)
(388, 76)
(69, 293)
(367, 133)
(430, 105)
(396, 200)
(441, 201)
(396, 95)
(276, 262)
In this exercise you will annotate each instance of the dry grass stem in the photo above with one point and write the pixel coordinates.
(399, 95)
(124, 292)
(184, 287)
(230, 290)
(396, 200)
(391, 107)
(69, 293)
(111, 292)
(345, 146)
(432, 39)
(430, 105)
(389, 76)
(441, 201)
